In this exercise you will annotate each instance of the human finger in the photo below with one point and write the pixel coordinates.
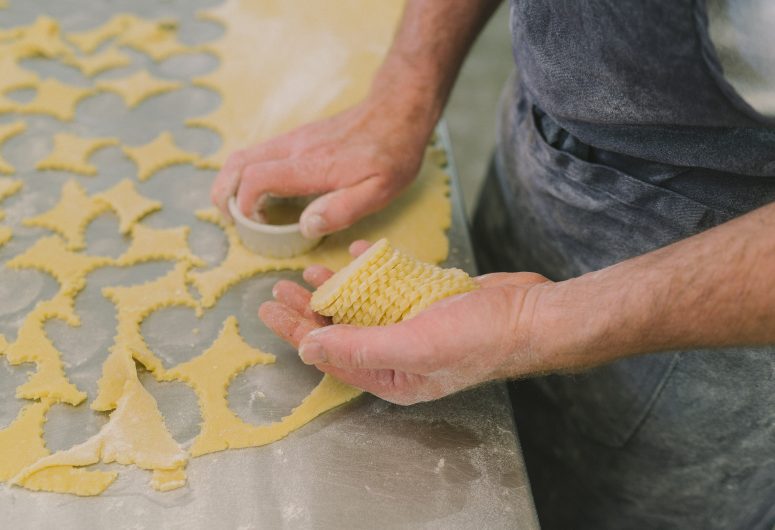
(316, 275)
(288, 324)
(227, 180)
(359, 247)
(341, 208)
(297, 298)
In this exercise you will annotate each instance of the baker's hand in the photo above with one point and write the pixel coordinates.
(454, 344)
(358, 160)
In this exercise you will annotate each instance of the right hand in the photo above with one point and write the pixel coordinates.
(358, 161)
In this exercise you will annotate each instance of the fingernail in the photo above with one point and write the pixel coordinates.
(312, 353)
(313, 226)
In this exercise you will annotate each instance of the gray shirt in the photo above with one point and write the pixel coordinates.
(743, 32)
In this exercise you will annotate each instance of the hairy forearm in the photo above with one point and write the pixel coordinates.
(715, 289)
(429, 47)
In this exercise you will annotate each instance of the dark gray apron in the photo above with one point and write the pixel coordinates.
(603, 156)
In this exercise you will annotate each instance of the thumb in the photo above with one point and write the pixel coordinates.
(341, 208)
(398, 346)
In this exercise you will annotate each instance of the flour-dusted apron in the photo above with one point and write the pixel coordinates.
(620, 136)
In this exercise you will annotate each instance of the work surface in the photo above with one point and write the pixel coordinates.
(452, 463)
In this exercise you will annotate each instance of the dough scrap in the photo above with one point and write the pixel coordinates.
(42, 38)
(92, 65)
(70, 479)
(21, 443)
(384, 286)
(9, 186)
(138, 87)
(33, 345)
(56, 99)
(70, 215)
(14, 76)
(133, 304)
(89, 40)
(135, 434)
(129, 205)
(8, 131)
(51, 255)
(155, 38)
(210, 374)
(150, 244)
(5, 234)
(71, 153)
(416, 222)
(158, 154)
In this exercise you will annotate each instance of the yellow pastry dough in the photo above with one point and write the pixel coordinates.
(14, 76)
(158, 154)
(9, 186)
(56, 99)
(51, 255)
(209, 375)
(71, 153)
(71, 215)
(138, 87)
(8, 131)
(384, 286)
(5, 234)
(133, 305)
(155, 38)
(129, 205)
(415, 222)
(89, 40)
(70, 479)
(159, 244)
(135, 434)
(33, 345)
(21, 443)
(40, 39)
(285, 63)
(92, 65)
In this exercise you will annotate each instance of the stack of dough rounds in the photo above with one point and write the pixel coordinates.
(384, 286)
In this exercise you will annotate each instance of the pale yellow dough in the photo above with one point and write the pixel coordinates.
(209, 375)
(8, 131)
(5, 234)
(56, 99)
(138, 87)
(8, 187)
(14, 76)
(89, 40)
(21, 443)
(135, 434)
(70, 215)
(156, 38)
(71, 153)
(129, 205)
(92, 65)
(158, 154)
(156, 244)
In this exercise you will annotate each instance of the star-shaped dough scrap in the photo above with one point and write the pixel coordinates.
(156, 244)
(5, 235)
(209, 375)
(135, 434)
(133, 304)
(14, 77)
(8, 131)
(9, 187)
(56, 99)
(50, 255)
(89, 40)
(129, 205)
(155, 38)
(71, 215)
(92, 65)
(71, 153)
(158, 154)
(40, 39)
(138, 87)
(32, 345)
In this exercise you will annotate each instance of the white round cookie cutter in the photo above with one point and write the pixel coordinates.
(274, 241)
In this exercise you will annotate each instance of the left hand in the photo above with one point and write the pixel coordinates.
(456, 343)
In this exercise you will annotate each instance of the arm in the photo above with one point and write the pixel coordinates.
(361, 159)
(716, 289)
